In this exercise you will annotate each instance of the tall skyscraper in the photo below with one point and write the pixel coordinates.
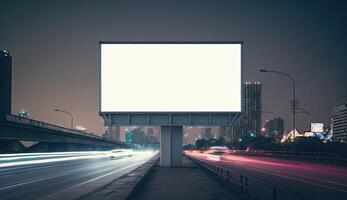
(5, 81)
(250, 119)
(274, 128)
(251, 115)
(339, 124)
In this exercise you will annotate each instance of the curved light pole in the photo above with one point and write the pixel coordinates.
(66, 112)
(293, 82)
(303, 111)
(269, 112)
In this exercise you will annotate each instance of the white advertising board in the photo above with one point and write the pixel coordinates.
(170, 77)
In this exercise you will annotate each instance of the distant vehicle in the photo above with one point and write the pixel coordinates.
(120, 153)
(217, 150)
(24, 114)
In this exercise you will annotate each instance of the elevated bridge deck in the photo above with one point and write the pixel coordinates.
(14, 128)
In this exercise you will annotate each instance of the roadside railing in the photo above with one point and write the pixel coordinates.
(290, 154)
(248, 185)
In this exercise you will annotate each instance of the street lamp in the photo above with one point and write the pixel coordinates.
(293, 82)
(66, 112)
(269, 112)
(303, 111)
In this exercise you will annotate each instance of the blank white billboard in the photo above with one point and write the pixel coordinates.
(170, 77)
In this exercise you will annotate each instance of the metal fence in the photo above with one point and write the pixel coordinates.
(25, 121)
(253, 187)
(290, 154)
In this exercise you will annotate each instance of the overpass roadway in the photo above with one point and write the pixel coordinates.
(16, 128)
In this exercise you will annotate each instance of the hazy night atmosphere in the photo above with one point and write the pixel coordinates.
(56, 43)
(52, 57)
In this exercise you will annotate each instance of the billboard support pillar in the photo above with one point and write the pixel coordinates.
(171, 146)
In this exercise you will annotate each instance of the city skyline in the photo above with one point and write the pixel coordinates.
(47, 46)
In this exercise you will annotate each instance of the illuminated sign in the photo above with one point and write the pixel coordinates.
(317, 127)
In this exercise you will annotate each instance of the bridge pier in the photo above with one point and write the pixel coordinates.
(171, 146)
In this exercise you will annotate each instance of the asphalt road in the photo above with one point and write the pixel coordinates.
(61, 176)
(315, 180)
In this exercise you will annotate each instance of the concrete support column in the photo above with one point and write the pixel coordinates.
(171, 146)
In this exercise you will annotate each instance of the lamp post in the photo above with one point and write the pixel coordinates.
(293, 82)
(66, 112)
(269, 112)
(303, 111)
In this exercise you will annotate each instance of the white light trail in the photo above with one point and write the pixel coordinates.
(10, 160)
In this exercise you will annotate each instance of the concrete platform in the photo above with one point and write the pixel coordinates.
(183, 183)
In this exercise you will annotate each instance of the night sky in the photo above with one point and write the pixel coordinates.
(54, 45)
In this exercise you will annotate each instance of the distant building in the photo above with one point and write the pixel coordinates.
(129, 138)
(274, 128)
(191, 134)
(5, 81)
(142, 136)
(216, 132)
(153, 131)
(206, 133)
(112, 133)
(251, 115)
(235, 132)
(250, 119)
(224, 130)
(339, 123)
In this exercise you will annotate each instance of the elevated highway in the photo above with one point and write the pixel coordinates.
(49, 137)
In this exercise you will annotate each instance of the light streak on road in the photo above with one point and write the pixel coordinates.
(64, 175)
(14, 157)
(10, 160)
(318, 180)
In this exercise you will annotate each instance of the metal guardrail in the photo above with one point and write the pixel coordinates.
(248, 185)
(289, 154)
(31, 122)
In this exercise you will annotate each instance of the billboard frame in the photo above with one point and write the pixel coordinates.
(192, 118)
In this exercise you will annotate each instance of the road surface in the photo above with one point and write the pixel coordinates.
(315, 180)
(61, 175)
